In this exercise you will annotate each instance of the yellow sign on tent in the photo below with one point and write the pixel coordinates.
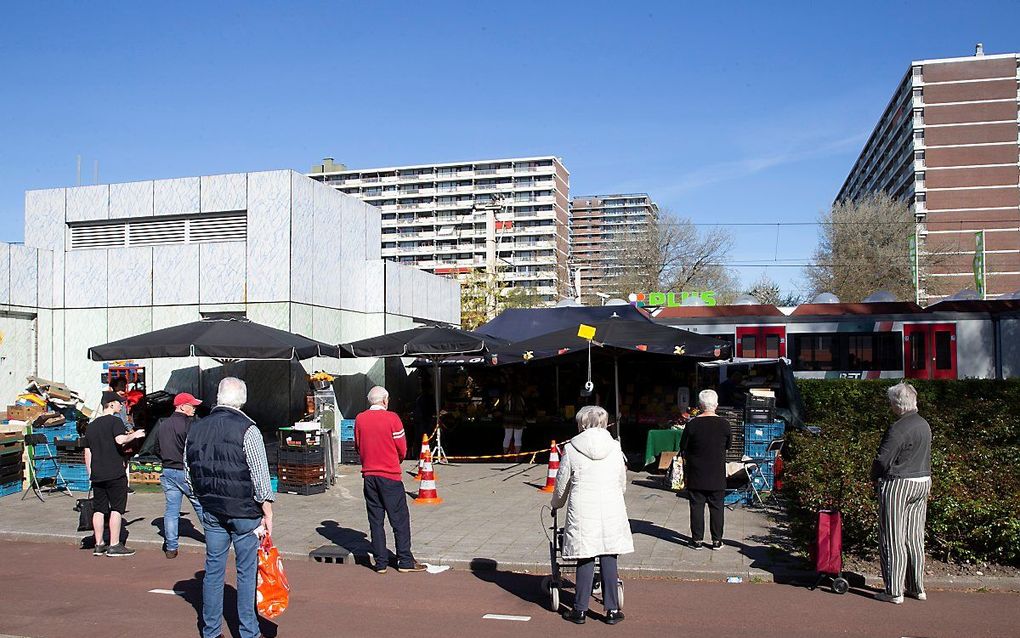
(586, 332)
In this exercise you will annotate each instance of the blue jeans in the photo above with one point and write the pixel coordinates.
(220, 533)
(175, 488)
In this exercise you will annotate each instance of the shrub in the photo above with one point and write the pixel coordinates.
(973, 510)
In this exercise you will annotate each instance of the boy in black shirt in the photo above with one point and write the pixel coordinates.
(105, 466)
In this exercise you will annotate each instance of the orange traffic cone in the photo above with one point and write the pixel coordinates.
(425, 451)
(554, 468)
(427, 490)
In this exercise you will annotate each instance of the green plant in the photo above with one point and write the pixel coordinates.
(975, 500)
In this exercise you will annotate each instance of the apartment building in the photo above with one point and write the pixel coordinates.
(948, 143)
(455, 218)
(599, 227)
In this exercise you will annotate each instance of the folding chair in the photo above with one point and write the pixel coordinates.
(753, 468)
(59, 484)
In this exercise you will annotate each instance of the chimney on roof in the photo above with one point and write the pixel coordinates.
(979, 50)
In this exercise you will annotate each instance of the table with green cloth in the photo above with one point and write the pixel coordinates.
(660, 441)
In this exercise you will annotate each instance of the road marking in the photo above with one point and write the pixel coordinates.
(505, 617)
(168, 592)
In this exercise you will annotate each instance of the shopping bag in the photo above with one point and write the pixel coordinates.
(272, 592)
(676, 474)
(827, 551)
(85, 508)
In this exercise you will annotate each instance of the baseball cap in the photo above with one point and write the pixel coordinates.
(185, 399)
(109, 397)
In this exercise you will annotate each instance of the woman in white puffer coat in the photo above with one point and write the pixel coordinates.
(591, 481)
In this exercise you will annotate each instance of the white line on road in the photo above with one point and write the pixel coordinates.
(168, 592)
(505, 617)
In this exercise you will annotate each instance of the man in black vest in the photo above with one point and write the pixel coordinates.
(226, 465)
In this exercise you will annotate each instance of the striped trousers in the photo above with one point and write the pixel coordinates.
(902, 510)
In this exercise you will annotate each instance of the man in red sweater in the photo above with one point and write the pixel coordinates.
(380, 439)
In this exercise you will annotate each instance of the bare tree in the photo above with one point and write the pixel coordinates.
(670, 254)
(864, 246)
(484, 294)
(767, 291)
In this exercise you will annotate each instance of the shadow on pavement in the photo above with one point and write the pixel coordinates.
(527, 587)
(649, 528)
(89, 542)
(185, 529)
(191, 591)
(354, 541)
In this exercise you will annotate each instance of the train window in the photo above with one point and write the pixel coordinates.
(848, 351)
(771, 345)
(918, 358)
(747, 344)
(943, 357)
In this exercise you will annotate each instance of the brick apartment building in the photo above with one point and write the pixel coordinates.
(948, 143)
(599, 225)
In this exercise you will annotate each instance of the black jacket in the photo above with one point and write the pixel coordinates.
(171, 433)
(905, 451)
(703, 446)
(218, 466)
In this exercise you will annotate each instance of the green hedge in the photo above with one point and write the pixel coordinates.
(974, 511)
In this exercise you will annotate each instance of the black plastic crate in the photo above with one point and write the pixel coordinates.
(291, 439)
(301, 490)
(754, 401)
(350, 458)
(313, 456)
(759, 415)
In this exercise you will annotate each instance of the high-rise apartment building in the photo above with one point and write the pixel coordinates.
(454, 218)
(948, 143)
(600, 227)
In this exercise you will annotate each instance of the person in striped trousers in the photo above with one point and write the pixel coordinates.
(902, 475)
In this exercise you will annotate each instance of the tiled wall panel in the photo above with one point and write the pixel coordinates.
(177, 196)
(86, 203)
(223, 192)
(133, 199)
(268, 256)
(130, 278)
(175, 278)
(302, 239)
(222, 273)
(85, 282)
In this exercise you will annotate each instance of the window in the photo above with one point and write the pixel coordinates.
(847, 351)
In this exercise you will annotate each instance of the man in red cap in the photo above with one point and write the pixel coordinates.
(171, 433)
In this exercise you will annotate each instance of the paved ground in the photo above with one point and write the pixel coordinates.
(491, 513)
(54, 591)
(492, 517)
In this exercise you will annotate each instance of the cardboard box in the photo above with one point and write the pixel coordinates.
(665, 459)
(24, 413)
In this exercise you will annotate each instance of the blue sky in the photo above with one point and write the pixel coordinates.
(723, 112)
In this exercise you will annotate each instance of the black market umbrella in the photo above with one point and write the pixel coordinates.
(219, 338)
(432, 343)
(615, 336)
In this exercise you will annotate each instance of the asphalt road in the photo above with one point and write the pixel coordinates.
(50, 590)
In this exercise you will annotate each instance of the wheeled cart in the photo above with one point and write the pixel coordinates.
(828, 551)
(556, 583)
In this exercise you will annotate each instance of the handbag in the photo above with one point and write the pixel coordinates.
(85, 508)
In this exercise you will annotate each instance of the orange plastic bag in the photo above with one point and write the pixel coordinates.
(273, 592)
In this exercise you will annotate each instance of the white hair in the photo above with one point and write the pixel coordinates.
(378, 395)
(591, 416)
(708, 400)
(232, 392)
(903, 398)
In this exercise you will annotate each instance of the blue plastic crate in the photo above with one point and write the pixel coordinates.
(347, 437)
(733, 497)
(48, 449)
(68, 430)
(79, 486)
(763, 432)
(7, 489)
(275, 482)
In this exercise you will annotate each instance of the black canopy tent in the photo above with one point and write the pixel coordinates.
(517, 324)
(219, 338)
(431, 343)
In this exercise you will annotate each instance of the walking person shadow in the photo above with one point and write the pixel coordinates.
(185, 529)
(191, 591)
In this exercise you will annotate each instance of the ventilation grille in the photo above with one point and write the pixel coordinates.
(157, 231)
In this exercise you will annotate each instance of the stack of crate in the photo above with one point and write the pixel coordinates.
(74, 472)
(735, 418)
(757, 437)
(273, 459)
(12, 468)
(71, 456)
(301, 463)
(348, 452)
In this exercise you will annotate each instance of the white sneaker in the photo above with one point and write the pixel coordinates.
(917, 596)
(888, 598)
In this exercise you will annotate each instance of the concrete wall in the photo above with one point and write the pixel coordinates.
(311, 265)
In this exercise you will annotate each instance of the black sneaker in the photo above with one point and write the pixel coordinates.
(379, 569)
(119, 550)
(130, 490)
(614, 616)
(100, 549)
(717, 545)
(695, 545)
(574, 616)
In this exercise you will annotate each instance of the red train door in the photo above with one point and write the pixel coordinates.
(929, 351)
(762, 342)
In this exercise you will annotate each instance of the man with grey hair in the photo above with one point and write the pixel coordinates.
(902, 475)
(703, 446)
(381, 442)
(225, 462)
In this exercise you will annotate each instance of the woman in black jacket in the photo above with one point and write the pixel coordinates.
(703, 446)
